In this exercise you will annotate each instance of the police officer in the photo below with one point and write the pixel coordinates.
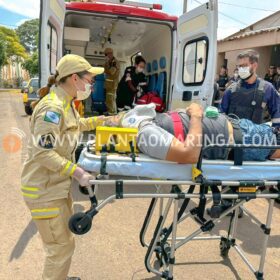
(132, 84)
(250, 97)
(223, 78)
(46, 176)
(112, 71)
(277, 79)
(270, 76)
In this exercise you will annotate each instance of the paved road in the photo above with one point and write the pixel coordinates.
(111, 250)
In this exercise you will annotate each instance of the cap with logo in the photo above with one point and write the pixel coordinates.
(72, 63)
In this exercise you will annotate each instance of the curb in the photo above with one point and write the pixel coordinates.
(13, 90)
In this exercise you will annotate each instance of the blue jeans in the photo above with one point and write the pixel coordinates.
(256, 134)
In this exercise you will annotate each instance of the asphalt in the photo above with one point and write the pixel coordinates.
(111, 250)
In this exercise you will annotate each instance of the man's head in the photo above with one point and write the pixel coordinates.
(140, 63)
(223, 70)
(247, 64)
(235, 73)
(271, 70)
(109, 53)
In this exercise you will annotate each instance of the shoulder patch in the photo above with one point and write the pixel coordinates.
(47, 141)
(52, 117)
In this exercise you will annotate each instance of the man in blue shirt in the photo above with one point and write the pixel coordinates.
(251, 97)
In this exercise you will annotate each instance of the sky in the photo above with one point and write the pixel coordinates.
(233, 15)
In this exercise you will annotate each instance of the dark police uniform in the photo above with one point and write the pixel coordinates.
(126, 93)
(222, 81)
(249, 101)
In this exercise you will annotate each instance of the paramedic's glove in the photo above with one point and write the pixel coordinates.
(195, 110)
(82, 177)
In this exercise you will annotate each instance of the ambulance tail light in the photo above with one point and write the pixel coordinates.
(157, 6)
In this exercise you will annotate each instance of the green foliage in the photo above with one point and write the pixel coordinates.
(28, 32)
(2, 53)
(31, 64)
(13, 48)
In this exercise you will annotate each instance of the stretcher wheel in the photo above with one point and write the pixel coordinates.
(80, 223)
(224, 247)
(84, 190)
(163, 254)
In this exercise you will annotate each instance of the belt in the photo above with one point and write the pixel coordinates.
(238, 139)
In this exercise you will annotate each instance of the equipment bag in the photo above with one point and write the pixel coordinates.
(151, 97)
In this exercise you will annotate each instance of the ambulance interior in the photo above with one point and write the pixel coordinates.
(88, 35)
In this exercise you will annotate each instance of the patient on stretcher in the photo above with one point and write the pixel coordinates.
(179, 136)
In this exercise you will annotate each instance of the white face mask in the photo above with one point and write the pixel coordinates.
(84, 94)
(140, 69)
(244, 72)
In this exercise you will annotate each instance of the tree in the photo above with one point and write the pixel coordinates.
(13, 49)
(28, 32)
(31, 64)
(2, 54)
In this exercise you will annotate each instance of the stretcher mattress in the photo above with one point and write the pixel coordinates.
(157, 169)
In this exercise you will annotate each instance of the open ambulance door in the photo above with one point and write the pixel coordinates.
(196, 56)
(52, 13)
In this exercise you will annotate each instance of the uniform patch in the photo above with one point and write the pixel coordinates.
(47, 141)
(52, 117)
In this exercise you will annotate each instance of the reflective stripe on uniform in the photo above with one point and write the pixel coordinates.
(66, 106)
(32, 189)
(91, 120)
(69, 168)
(30, 195)
(72, 170)
(44, 213)
(31, 192)
(52, 95)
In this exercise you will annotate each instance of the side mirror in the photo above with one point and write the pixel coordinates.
(30, 89)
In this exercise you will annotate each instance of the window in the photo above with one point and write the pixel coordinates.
(52, 47)
(34, 83)
(195, 61)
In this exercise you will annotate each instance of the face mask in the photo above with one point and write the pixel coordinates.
(245, 73)
(140, 70)
(84, 94)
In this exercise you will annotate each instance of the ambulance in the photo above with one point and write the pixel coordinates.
(180, 51)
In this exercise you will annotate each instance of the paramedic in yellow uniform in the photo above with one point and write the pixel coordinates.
(46, 177)
(112, 71)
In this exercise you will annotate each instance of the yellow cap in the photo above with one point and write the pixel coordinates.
(72, 63)
(108, 50)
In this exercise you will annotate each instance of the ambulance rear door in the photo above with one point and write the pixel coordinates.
(196, 56)
(52, 13)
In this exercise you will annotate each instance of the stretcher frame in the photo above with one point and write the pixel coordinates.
(80, 223)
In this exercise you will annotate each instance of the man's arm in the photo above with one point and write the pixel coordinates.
(156, 142)
(88, 124)
(225, 101)
(111, 69)
(272, 101)
(189, 151)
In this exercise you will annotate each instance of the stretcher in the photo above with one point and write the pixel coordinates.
(236, 181)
